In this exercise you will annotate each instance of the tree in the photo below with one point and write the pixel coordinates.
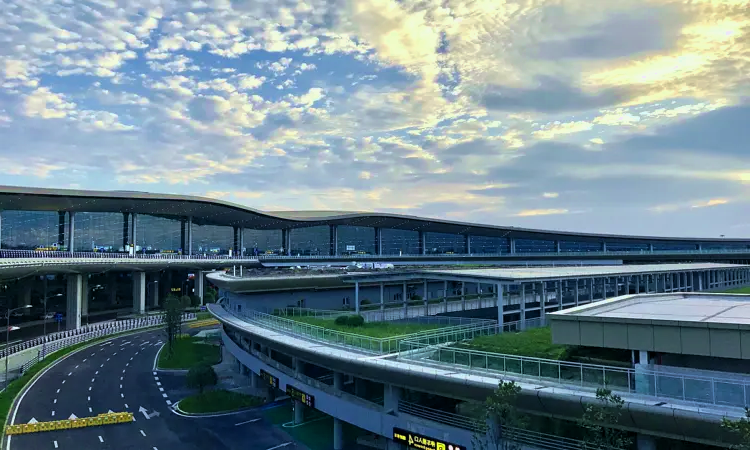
(209, 296)
(599, 419)
(195, 300)
(185, 301)
(201, 376)
(740, 428)
(172, 321)
(502, 419)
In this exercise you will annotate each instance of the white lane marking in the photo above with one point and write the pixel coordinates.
(71, 373)
(88, 398)
(156, 378)
(279, 446)
(101, 439)
(126, 406)
(92, 380)
(89, 388)
(55, 401)
(156, 448)
(90, 410)
(154, 373)
(143, 433)
(122, 395)
(123, 370)
(127, 364)
(84, 359)
(131, 358)
(55, 442)
(121, 378)
(158, 383)
(164, 395)
(102, 365)
(169, 402)
(96, 373)
(247, 421)
(93, 354)
(58, 391)
(53, 414)
(63, 382)
(113, 354)
(136, 353)
(76, 367)
(107, 360)
(161, 389)
(120, 386)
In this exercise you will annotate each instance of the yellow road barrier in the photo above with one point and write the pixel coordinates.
(96, 421)
(203, 323)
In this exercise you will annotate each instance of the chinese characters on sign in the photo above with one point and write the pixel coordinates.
(414, 440)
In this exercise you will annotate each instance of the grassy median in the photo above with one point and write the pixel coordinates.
(742, 290)
(188, 352)
(218, 400)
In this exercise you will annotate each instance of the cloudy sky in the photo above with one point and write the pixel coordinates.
(625, 117)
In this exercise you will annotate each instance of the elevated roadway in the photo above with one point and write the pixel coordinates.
(644, 414)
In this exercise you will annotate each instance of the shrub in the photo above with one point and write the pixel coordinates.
(365, 302)
(185, 301)
(355, 321)
(195, 300)
(416, 297)
(209, 296)
(341, 320)
(201, 376)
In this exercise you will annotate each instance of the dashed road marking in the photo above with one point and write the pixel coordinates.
(84, 359)
(144, 434)
(164, 395)
(101, 439)
(121, 378)
(131, 358)
(96, 373)
(126, 406)
(92, 380)
(102, 365)
(158, 383)
(55, 401)
(58, 391)
(93, 354)
(123, 370)
(122, 395)
(88, 398)
(55, 442)
(71, 373)
(156, 378)
(90, 410)
(120, 386)
(53, 414)
(76, 367)
(63, 382)
(169, 402)
(154, 373)
(127, 364)
(89, 388)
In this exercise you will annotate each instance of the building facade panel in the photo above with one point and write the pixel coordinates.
(28, 230)
(353, 240)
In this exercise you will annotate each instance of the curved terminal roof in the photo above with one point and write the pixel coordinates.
(208, 211)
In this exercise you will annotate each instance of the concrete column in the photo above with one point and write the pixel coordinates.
(405, 301)
(422, 243)
(360, 388)
(500, 305)
(523, 306)
(134, 231)
(591, 289)
(542, 301)
(356, 297)
(391, 397)
(333, 232)
(60, 229)
(512, 245)
(299, 407)
(467, 244)
(604, 246)
(1, 230)
(382, 298)
(189, 231)
(74, 300)
(139, 292)
(645, 442)
(638, 280)
(577, 281)
(338, 434)
(85, 295)
(378, 241)
(559, 294)
(445, 296)
(125, 231)
(463, 296)
(155, 291)
(426, 304)
(71, 231)
(199, 285)
(112, 288)
(557, 246)
(604, 288)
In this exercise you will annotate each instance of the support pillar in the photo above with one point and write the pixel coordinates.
(557, 246)
(542, 301)
(382, 298)
(74, 300)
(559, 295)
(406, 302)
(139, 292)
(500, 305)
(512, 245)
(391, 397)
(85, 296)
(422, 243)
(71, 231)
(356, 297)
(378, 241)
(426, 303)
(445, 296)
(467, 244)
(112, 288)
(299, 407)
(61, 230)
(199, 285)
(360, 388)
(592, 286)
(333, 231)
(523, 306)
(575, 292)
(134, 232)
(338, 431)
(463, 296)
(189, 231)
(183, 236)
(125, 231)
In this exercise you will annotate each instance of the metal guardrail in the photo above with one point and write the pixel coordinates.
(649, 383)
(525, 437)
(363, 343)
(67, 254)
(64, 341)
(332, 314)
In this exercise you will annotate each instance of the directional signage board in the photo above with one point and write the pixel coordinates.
(296, 394)
(58, 317)
(421, 442)
(270, 379)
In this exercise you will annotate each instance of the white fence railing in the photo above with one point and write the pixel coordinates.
(55, 341)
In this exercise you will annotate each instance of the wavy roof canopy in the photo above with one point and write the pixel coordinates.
(207, 211)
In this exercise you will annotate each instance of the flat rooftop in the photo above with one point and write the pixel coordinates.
(553, 273)
(683, 307)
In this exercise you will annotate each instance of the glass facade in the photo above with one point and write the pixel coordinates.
(47, 230)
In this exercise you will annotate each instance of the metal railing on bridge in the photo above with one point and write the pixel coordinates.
(298, 257)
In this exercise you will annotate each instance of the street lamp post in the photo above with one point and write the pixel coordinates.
(44, 320)
(7, 337)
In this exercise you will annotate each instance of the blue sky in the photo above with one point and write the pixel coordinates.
(602, 117)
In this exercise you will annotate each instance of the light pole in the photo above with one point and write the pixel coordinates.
(7, 337)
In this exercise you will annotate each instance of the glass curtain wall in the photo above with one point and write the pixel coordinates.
(395, 242)
(211, 239)
(102, 232)
(626, 246)
(573, 246)
(156, 234)
(353, 240)
(489, 244)
(29, 230)
(535, 246)
(311, 240)
(440, 243)
(262, 241)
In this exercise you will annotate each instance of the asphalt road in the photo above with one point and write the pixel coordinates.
(118, 376)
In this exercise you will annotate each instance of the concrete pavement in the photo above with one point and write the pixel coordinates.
(118, 375)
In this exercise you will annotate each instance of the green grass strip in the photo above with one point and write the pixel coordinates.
(188, 352)
(218, 400)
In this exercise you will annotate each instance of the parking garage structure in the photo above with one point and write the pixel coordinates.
(268, 347)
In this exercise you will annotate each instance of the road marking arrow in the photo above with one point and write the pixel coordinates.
(145, 413)
(72, 417)
(33, 420)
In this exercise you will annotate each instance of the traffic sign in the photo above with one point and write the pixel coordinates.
(58, 317)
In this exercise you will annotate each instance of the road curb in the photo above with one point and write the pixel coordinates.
(175, 409)
(6, 439)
